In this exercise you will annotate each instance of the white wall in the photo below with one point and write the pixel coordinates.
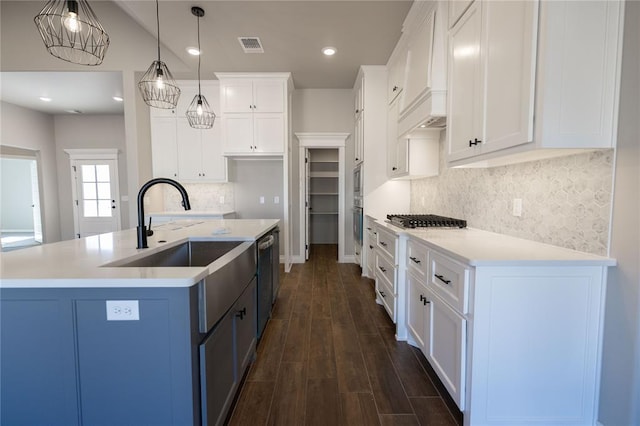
(322, 110)
(16, 211)
(24, 128)
(87, 132)
(620, 385)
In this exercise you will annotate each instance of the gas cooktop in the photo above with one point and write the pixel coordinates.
(425, 221)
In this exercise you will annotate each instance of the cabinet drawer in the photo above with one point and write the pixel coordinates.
(416, 260)
(387, 243)
(449, 280)
(387, 270)
(386, 295)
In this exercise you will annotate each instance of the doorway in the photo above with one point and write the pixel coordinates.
(322, 191)
(95, 189)
(21, 216)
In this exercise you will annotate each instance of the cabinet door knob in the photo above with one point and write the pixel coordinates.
(382, 269)
(240, 314)
(394, 168)
(383, 244)
(371, 247)
(421, 298)
(382, 294)
(395, 88)
(425, 301)
(475, 142)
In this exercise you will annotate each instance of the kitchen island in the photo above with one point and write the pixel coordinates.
(90, 337)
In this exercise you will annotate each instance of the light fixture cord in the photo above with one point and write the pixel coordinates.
(199, 55)
(158, 24)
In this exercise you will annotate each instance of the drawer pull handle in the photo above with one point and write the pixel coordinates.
(382, 294)
(368, 229)
(441, 278)
(383, 244)
(370, 246)
(382, 269)
(414, 259)
(242, 313)
(425, 301)
(421, 298)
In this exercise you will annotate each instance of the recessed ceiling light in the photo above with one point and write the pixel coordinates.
(73, 111)
(45, 99)
(422, 126)
(193, 51)
(329, 51)
(118, 99)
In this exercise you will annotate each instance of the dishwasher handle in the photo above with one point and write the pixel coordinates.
(266, 242)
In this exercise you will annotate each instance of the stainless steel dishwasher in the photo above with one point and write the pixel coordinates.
(265, 279)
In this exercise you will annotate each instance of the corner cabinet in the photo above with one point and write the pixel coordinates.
(181, 152)
(254, 113)
(509, 61)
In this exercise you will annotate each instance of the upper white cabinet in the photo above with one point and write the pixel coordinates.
(182, 152)
(358, 111)
(492, 60)
(254, 112)
(509, 60)
(397, 69)
(370, 109)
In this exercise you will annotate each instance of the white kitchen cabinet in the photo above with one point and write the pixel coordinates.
(445, 345)
(164, 151)
(508, 61)
(416, 156)
(417, 312)
(253, 95)
(418, 65)
(182, 152)
(386, 270)
(254, 113)
(491, 326)
(397, 70)
(492, 52)
(200, 156)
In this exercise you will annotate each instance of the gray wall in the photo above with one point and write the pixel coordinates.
(87, 132)
(322, 110)
(31, 130)
(253, 179)
(16, 213)
(620, 385)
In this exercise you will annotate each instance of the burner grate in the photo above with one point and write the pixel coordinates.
(425, 221)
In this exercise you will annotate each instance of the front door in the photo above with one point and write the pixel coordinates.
(96, 196)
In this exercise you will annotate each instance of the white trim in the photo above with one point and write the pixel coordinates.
(93, 154)
(351, 258)
(323, 140)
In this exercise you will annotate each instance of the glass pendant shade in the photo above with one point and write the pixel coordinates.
(199, 113)
(71, 31)
(158, 88)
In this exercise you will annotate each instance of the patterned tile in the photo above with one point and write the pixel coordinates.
(202, 196)
(565, 201)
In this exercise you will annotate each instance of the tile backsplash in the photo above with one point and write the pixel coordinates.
(566, 201)
(202, 196)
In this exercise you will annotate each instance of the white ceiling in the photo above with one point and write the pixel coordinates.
(87, 92)
(292, 32)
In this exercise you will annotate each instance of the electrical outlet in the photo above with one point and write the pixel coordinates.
(276, 200)
(261, 199)
(123, 310)
(517, 207)
(222, 199)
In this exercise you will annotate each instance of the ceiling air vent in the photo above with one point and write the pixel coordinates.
(251, 44)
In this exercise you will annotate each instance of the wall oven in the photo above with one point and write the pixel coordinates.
(357, 182)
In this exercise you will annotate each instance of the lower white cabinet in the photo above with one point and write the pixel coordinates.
(445, 345)
(514, 343)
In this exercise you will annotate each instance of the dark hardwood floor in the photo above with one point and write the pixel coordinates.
(329, 357)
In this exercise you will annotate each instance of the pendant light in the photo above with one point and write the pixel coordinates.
(71, 31)
(157, 86)
(199, 113)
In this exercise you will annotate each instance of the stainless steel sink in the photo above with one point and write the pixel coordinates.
(232, 265)
(191, 253)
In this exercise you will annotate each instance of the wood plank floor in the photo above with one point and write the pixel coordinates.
(329, 357)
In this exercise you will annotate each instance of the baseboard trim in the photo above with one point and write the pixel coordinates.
(348, 259)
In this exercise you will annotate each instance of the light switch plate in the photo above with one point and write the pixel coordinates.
(123, 310)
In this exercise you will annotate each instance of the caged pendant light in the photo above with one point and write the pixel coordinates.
(199, 113)
(71, 31)
(157, 86)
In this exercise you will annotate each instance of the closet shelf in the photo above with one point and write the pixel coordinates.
(323, 174)
(314, 213)
(323, 193)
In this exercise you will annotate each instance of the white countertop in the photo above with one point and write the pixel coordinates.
(191, 213)
(78, 263)
(482, 248)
